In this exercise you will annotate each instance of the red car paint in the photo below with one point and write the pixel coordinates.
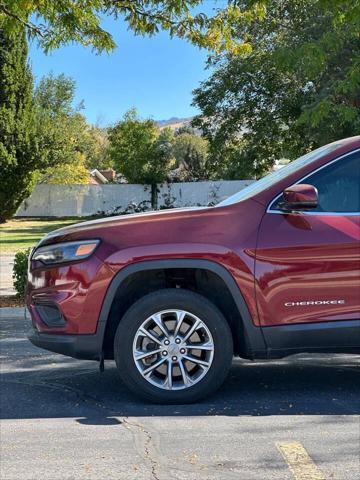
(278, 261)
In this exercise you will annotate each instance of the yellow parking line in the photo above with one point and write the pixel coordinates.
(299, 461)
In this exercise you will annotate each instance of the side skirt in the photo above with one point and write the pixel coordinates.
(321, 337)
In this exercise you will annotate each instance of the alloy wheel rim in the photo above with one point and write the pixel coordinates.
(173, 349)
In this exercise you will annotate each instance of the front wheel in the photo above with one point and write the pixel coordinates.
(173, 346)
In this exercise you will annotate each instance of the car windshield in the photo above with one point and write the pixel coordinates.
(278, 175)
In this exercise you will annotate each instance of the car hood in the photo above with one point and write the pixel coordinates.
(93, 226)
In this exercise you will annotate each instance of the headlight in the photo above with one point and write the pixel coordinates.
(65, 252)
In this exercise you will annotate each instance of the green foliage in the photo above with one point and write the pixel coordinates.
(20, 272)
(73, 146)
(43, 137)
(298, 87)
(185, 129)
(191, 153)
(74, 173)
(19, 149)
(56, 94)
(97, 153)
(139, 150)
(164, 149)
(61, 127)
(55, 23)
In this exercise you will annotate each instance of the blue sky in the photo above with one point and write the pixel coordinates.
(156, 75)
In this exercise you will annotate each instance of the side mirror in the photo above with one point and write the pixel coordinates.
(300, 196)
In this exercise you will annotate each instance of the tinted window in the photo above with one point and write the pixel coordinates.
(338, 186)
(278, 175)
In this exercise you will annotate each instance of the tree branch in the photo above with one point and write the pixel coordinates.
(28, 25)
(143, 13)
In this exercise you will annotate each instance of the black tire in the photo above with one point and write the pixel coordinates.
(173, 299)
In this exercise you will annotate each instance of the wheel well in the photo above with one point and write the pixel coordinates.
(202, 281)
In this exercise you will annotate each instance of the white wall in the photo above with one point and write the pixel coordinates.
(86, 200)
(188, 194)
(80, 200)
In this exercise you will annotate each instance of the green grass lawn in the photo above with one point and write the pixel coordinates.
(19, 234)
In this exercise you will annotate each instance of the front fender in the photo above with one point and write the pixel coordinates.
(253, 334)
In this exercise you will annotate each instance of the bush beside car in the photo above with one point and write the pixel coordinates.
(20, 272)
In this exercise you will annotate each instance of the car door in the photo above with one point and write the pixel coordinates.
(307, 272)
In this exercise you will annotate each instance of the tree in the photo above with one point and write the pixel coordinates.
(58, 23)
(43, 137)
(74, 173)
(72, 143)
(61, 127)
(139, 151)
(164, 152)
(297, 89)
(56, 95)
(191, 153)
(18, 146)
(97, 155)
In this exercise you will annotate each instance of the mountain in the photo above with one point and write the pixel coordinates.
(174, 122)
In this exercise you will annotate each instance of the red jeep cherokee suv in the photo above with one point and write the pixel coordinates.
(173, 295)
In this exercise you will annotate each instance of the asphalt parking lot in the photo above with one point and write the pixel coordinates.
(62, 419)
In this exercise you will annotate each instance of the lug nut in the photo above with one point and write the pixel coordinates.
(178, 341)
(166, 342)
(182, 350)
(174, 358)
(164, 353)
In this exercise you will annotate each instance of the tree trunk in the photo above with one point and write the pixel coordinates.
(154, 196)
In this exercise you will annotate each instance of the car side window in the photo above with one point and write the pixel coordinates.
(338, 186)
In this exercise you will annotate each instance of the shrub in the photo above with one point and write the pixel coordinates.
(20, 272)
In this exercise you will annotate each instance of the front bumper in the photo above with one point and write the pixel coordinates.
(86, 347)
(66, 299)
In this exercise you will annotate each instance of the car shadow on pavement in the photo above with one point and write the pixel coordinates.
(39, 384)
(49, 385)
